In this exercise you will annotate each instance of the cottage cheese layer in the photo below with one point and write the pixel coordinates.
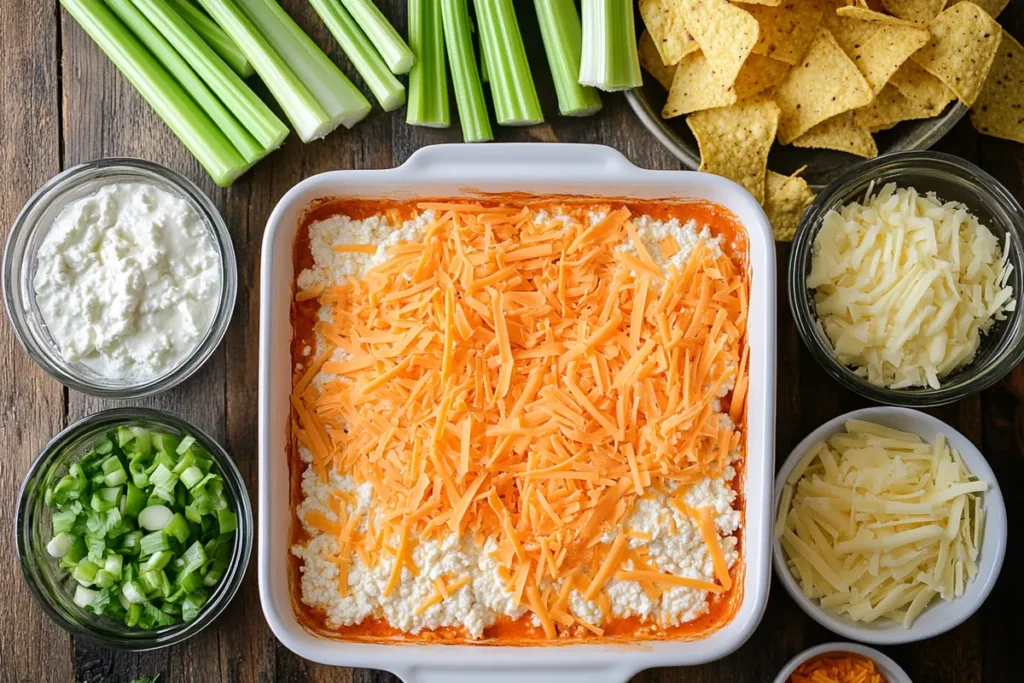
(660, 526)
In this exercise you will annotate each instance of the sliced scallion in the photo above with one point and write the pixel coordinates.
(170, 101)
(469, 93)
(512, 89)
(563, 43)
(382, 35)
(610, 60)
(382, 83)
(214, 36)
(428, 79)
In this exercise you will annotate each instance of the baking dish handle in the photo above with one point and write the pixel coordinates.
(464, 674)
(539, 159)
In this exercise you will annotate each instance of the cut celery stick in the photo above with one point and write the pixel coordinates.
(428, 79)
(469, 93)
(246, 145)
(184, 117)
(382, 83)
(214, 36)
(563, 43)
(340, 99)
(610, 60)
(243, 103)
(484, 74)
(382, 34)
(512, 90)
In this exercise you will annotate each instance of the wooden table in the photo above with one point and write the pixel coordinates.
(63, 103)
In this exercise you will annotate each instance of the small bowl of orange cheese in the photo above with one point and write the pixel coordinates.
(842, 663)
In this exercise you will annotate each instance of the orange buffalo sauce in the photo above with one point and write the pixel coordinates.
(517, 381)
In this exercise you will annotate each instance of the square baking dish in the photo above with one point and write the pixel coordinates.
(471, 171)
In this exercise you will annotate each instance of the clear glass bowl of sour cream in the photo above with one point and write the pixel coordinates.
(119, 278)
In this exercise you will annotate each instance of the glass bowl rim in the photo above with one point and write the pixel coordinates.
(220, 597)
(17, 312)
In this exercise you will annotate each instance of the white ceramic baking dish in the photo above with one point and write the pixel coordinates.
(464, 171)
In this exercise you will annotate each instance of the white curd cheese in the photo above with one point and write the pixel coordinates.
(128, 281)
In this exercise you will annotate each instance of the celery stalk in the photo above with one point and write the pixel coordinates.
(428, 79)
(484, 73)
(246, 145)
(469, 93)
(214, 36)
(610, 60)
(382, 34)
(563, 43)
(342, 101)
(512, 90)
(243, 103)
(382, 83)
(184, 117)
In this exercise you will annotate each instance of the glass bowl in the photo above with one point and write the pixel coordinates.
(952, 179)
(19, 268)
(49, 582)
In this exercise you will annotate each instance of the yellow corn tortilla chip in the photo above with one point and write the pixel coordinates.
(666, 28)
(878, 49)
(759, 74)
(918, 11)
(696, 87)
(964, 41)
(867, 14)
(889, 108)
(786, 201)
(725, 33)
(825, 84)
(840, 133)
(921, 87)
(734, 141)
(650, 60)
(999, 109)
(787, 31)
(993, 7)
(769, 3)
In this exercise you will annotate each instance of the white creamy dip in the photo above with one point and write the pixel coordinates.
(128, 281)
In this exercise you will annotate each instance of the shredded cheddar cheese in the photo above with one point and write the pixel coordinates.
(838, 668)
(525, 381)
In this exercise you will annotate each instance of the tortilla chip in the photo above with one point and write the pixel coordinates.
(918, 11)
(889, 108)
(878, 49)
(826, 84)
(921, 87)
(650, 60)
(866, 14)
(999, 110)
(696, 87)
(840, 133)
(770, 3)
(758, 74)
(725, 33)
(993, 7)
(786, 201)
(787, 31)
(667, 29)
(734, 141)
(964, 41)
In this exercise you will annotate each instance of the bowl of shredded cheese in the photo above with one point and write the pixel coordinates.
(890, 526)
(904, 278)
(842, 663)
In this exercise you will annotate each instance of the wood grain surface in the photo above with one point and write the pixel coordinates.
(63, 103)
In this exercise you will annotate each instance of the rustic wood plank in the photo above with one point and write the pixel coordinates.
(31, 646)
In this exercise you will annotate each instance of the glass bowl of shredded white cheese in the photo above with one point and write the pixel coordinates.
(119, 278)
(904, 279)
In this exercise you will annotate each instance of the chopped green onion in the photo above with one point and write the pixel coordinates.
(191, 606)
(512, 89)
(143, 439)
(184, 117)
(226, 520)
(428, 79)
(113, 565)
(178, 528)
(185, 444)
(157, 561)
(134, 500)
(610, 60)
(133, 592)
(124, 436)
(152, 543)
(131, 542)
(342, 101)
(469, 93)
(64, 520)
(214, 36)
(563, 43)
(382, 35)
(382, 83)
(60, 544)
(85, 597)
(191, 476)
(155, 517)
(85, 572)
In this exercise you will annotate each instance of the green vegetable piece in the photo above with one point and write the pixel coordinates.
(152, 543)
(227, 520)
(178, 529)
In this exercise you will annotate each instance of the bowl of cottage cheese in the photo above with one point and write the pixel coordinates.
(119, 278)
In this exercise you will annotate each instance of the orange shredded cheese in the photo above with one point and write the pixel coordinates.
(845, 667)
(524, 382)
